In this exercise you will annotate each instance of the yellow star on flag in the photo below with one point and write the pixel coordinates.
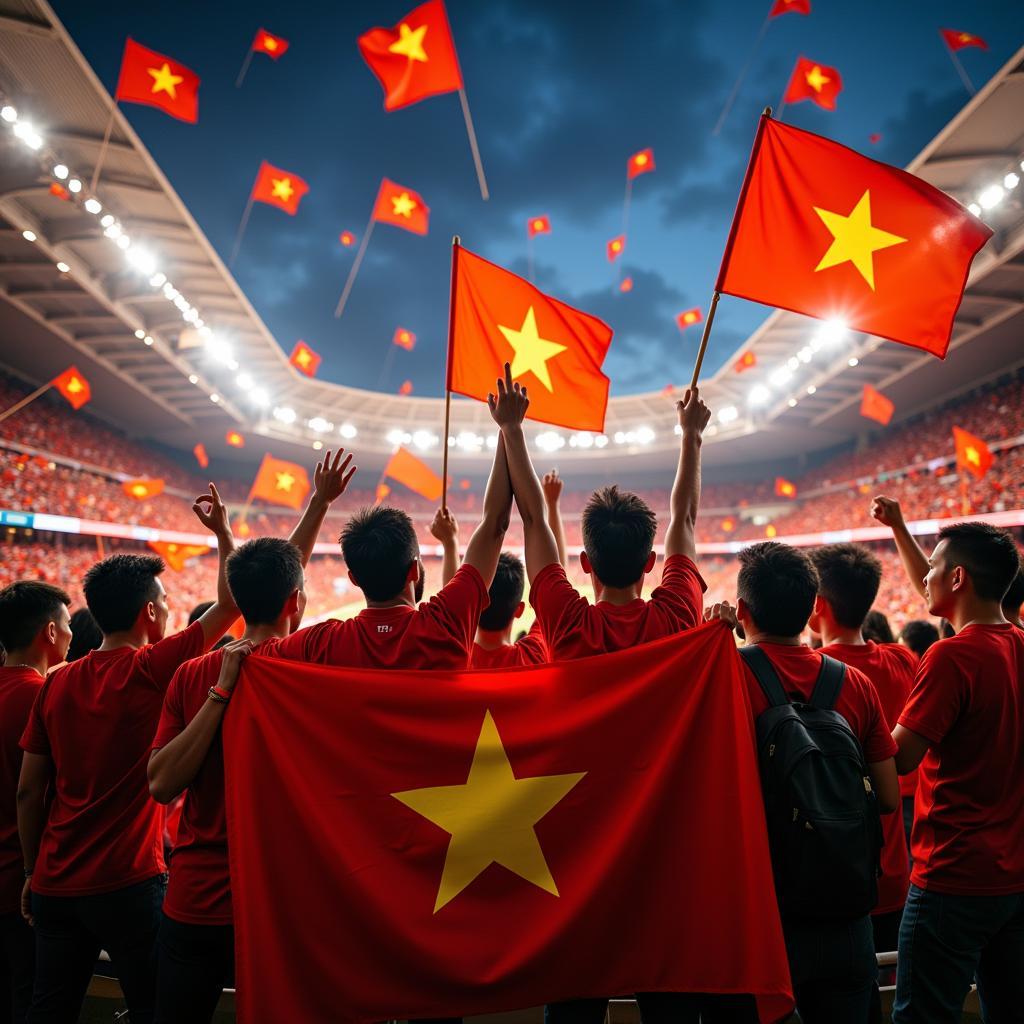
(855, 238)
(139, 490)
(816, 78)
(74, 385)
(973, 455)
(303, 357)
(965, 37)
(532, 352)
(403, 205)
(284, 481)
(269, 43)
(165, 81)
(410, 43)
(491, 817)
(282, 188)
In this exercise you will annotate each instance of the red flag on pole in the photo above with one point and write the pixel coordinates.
(815, 82)
(615, 248)
(178, 555)
(154, 80)
(875, 406)
(401, 207)
(266, 42)
(304, 359)
(640, 163)
(689, 318)
(538, 226)
(958, 40)
(405, 468)
(141, 488)
(199, 451)
(279, 188)
(790, 7)
(73, 386)
(972, 453)
(280, 482)
(404, 339)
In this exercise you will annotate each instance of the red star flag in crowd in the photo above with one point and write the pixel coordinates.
(816, 82)
(502, 808)
(538, 226)
(401, 207)
(689, 317)
(266, 42)
(280, 483)
(235, 439)
(73, 386)
(747, 361)
(626, 284)
(824, 231)
(279, 188)
(615, 248)
(405, 388)
(972, 454)
(178, 555)
(304, 359)
(404, 339)
(347, 239)
(555, 350)
(155, 80)
(790, 7)
(405, 468)
(785, 488)
(958, 40)
(141, 488)
(640, 163)
(875, 406)
(414, 60)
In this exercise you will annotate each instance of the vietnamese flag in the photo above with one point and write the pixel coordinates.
(401, 207)
(626, 284)
(790, 7)
(280, 483)
(538, 226)
(481, 859)
(785, 488)
(414, 60)
(958, 40)
(404, 339)
(555, 350)
(405, 468)
(152, 79)
(824, 231)
(176, 555)
(141, 488)
(266, 42)
(58, 190)
(615, 248)
(640, 163)
(816, 82)
(201, 457)
(972, 453)
(347, 239)
(747, 361)
(381, 493)
(73, 386)
(875, 406)
(279, 188)
(235, 439)
(406, 388)
(689, 318)
(304, 359)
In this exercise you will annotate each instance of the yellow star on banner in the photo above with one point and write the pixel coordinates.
(269, 43)
(284, 481)
(282, 188)
(403, 205)
(855, 238)
(410, 43)
(816, 78)
(139, 490)
(165, 81)
(74, 385)
(532, 352)
(303, 358)
(965, 37)
(491, 817)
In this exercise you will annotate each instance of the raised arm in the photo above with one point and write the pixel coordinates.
(484, 546)
(445, 529)
(552, 487)
(508, 408)
(915, 562)
(330, 479)
(219, 617)
(680, 539)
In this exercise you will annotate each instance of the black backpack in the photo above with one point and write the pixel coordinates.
(824, 828)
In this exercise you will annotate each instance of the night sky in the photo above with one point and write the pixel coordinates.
(561, 94)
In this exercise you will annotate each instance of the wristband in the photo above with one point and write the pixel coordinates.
(216, 694)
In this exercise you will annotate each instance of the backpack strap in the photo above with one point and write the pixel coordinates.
(758, 663)
(830, 682)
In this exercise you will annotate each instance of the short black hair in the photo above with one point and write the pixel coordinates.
(987, 553)
(778, 584)
(1014, 597)
(262, 574)
(506, 592)
(876, 627)
(26, 607)
(848, 578)
(919, 635)
(199, 611)
(618, 535)
(119, 587)
(86, 636)
(379, 544)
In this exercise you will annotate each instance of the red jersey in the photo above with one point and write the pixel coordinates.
(95, 719)
(529, 650)
(19, 687)
(968, 702)
(890, 667)
(436, 635)
(575, 628)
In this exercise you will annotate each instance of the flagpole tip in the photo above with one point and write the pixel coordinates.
(456, 240)
(767, 112)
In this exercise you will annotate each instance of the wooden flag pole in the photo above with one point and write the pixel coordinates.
(245, 68)
(386, 368)
(529, 255)
(448, 374)
(102, 154)
(242, 225)
(968, 84)
(742, 75)
(472, 144)
(351, 280)
(25, 401)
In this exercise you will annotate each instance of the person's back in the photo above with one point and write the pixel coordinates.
(493, 646)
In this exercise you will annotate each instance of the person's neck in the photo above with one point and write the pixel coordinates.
(757, 637)
(258, 632)
(617, 595)
(403, 600)
(971, 611)
(26, 657)
(833, 633)
(135, 637)
(492, 639)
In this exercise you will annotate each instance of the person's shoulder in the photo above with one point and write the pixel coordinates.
(859, 682)
(899, 655)
(195, 670)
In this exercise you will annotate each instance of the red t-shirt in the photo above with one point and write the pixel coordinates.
(95, 719)
(968, 702)
(908, 782)
(575, 628)
(529, 650)
(890, 667)
(436, 635)
(19, 687)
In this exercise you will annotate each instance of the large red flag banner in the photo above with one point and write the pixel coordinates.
(824, 231)
(518, 823)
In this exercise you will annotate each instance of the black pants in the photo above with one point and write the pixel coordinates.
(886, 933)
(71, 931)
(17, 967)
(661, 1008)
(196, 962)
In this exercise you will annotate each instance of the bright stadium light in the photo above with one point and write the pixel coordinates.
(29, 236)
(974, 208)
(781, 376)
(582, 440)
(992, 196)
(728, 414)
(601, 441)
(124, 242)
(317, 445)
(141, 260)
(63, 267)
(852, 361)
(395, 437)
(319, 425)
(284, 414)
(193, 379)
(759, 394)
(112, 230)
(550, 441)
(61, 171)
(93, 205)
(806, 354)
(793, 363)
(244, 381)
(348, 431)
(140, 333)
(791, 403)
(492, 441)
(74, 185)
(831, 333)
(106, 220)
(1011, 181)
(644, 435)
(468, 441)
(811, 389)
(147, 340)
(424, 439)
(259, 397)
(215, 398)
(9, 114)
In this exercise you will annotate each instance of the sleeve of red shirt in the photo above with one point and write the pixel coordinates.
(559, 605)
(681, 591)
(307, 644)
(875, 734)
(936, 700)
(533, 647)
(161, 660)
(172, 716)
(35, 740)
(455, 609)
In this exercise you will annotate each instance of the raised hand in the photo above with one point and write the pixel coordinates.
(445, 527)
(331, 478)
(887, 511)
(551, 484)
(723, 612)
(693, 413)
(211, 511)
(508, 407)
(232, 656)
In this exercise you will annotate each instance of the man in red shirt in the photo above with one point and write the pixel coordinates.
(964, 725)
(1013, 600)
(35, 629)
(91, 836)
(849, 576)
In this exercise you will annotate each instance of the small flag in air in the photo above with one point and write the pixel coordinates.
(235, 439)
(347, 239)
(640, 163)
(404, 339)
(538, 226)
(401, 207)
(626, 284)
(972, 454)
(304, 359)
(790, 7)
(824, 231)
(266, 42)
(177, 555)
(874, 138)
(615, 248)
(689, 318)
(280, 483)
(405, 468)
(747, 361)
(816, 82)
(414, 60)
(875, 406)
(58, 190)
(154, 80)
(73, 386)
(141, 488)
(959, 40)
(381, 493)
(785, 488)
(406, 388)
(201, 457)
(279, 188)
(728, 524)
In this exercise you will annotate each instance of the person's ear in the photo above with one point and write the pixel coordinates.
(520, 608)
(291, 606)
(652, 558)
(353, 581)
(149, 611)
(585, 563)
(415, 570)
(821, 607)
(959, 577)
(51, 632)
(742, 611)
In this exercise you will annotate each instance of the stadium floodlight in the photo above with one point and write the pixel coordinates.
(24, 131)
(781, 376)
(319, 425)
(348, 430)
(619, 437)
(124, 242)
(423, 439)
(284, 414)
(29, 236)
(317, 445)
(601, 441)
(75, 185)
(992, 196)
(550, 441)
(170, 292)
(140, 333)
(112, 230)
(852, 361)
(259, 397)
(147, 340)
(63, 267)
(61, 171)
(93, 205)
(791, 403)
(396, 437)
(811, 389)
(144, 262)
(468, 441)
(232, 365)
(728, 414)
(678, 430)
(806, 354)
(974, 208)
(759, 394)
(106, 220)
(644, 435)
(244, 381)
(793, 363)
(215, 398)
(193, 379)
(9, 114)
(1011, 181)
(831, 333)
(582, 440)
(492, 441)
(158, 280)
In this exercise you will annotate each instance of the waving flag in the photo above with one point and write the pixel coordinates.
(178, 555)
(141, 488)
(73, 386)
(405, 468)
(235, 439)
(304, 359)
(266, 42)
(280, 482)
(689, 318)
(816, 82)
(279, 188)
(747, 361)
(401, 207)
(404, 339)
(199, 451)
(155, 80)
(785, 488)
(640, 163)
(347, 239)
(615, 248)
(790, 7)
(972, 453)
(875, 406)
(538, 226)
(958, 40)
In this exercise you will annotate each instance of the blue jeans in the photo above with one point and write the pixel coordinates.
(945, 942)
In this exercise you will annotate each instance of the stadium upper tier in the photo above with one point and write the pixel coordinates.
(125, 284)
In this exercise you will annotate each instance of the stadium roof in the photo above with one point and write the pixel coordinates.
(158, 324)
